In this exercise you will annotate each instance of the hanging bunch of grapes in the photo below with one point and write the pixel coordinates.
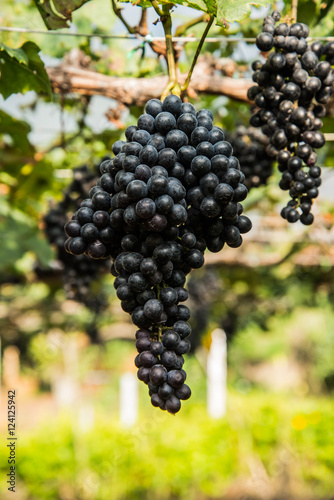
(172, 190)
(292, 87)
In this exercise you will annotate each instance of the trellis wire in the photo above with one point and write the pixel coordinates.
(150, 38)
(147, 38)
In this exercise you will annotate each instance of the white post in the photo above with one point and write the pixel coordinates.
(128, 399)
(216, 375)
(65, 382)
(65, 390)
(86, 417)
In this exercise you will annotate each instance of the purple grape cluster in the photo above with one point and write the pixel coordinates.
(249, 146)
(292, 87)
(78, 273)
(172, 190)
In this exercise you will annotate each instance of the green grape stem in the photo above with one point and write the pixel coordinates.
(197, 53)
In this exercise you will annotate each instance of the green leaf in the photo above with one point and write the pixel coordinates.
(17, 54)
(224, 10)
(37, 66)
(308, 14)
(20, 73)
(18, 130)
(325, 7)
(236, 10)
(194, 4)
(16, 148)
(211, 6)
(57, 13)
(20, 234)
(312, 12)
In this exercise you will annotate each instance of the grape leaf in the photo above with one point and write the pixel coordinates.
(325, 7)
(19, 234)
(18, 130)
(223, 10)
(18, 54)
(312, 13)
(57, 13)
(236, 10)
(211, 6)
(22, 73)
(194, 4)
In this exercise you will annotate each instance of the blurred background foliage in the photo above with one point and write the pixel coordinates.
(277, 440)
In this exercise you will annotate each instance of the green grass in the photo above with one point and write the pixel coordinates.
(189, 456)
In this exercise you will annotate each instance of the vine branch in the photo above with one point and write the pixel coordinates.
(131, 90)
(141, 29)
(142, 26)
(197, 53)
(157, 9)
(118, 12)
(173, 84)
(180, 30)
(168, 50)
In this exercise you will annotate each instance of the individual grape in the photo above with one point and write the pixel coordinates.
(173, 404)
(158, 374)
(147, 359)
(153, 309)
(152, 107)
(157, 348)
(170, 339)
(265, 41)
(157, 401)
(145, 208)
(187, 122)
(164, 122)
(143, 374)
(176, 378)
(172, 104)
(183, 392)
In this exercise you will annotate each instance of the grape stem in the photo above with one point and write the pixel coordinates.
(173, 85)
(294, 8)
(166, 19)
(157, 9)
(197, 53)
(181, 30)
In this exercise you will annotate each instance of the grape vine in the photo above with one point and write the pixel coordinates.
(174, 189)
